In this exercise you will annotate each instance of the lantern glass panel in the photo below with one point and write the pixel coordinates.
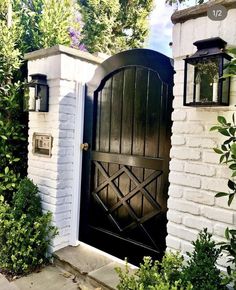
(206, 80)
(225, 83)
(29, 98)
(190, 83)
(32, 98)
(42, 95)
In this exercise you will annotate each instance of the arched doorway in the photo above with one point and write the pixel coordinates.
(125, 167)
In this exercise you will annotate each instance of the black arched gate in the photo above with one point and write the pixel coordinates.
(125, 167)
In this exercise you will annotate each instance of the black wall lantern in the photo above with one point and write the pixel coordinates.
(37, 95)
(203, 82)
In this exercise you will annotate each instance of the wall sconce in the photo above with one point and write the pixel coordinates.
(203, 82)
(37, 94)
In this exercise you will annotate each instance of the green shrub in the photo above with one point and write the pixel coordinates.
(154, 275)
(201, 269)
(27, 200)
(25, 235)
(13, 135)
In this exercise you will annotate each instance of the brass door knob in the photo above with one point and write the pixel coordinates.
(84, 146)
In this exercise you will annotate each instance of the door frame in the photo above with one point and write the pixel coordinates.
(77, 166)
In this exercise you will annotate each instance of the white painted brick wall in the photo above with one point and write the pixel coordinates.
(55, 176)
(195, 173)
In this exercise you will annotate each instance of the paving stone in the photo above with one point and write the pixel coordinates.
(50, 278)
(83, 258)
(107, 275)
(6, 285)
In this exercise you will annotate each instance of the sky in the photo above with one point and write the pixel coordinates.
(161, 27)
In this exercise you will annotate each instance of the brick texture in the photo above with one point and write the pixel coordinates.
(54, 176)
(195, 173)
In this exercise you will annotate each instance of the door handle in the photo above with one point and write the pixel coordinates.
(84, 146)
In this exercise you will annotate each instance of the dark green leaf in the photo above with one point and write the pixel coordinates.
(232, 166)
(233, 149)
(222, 158)
(232, 131)
(224, 148)
(215, 128)
(229, 140)
(220, 194)
(227, 156)
(217, 150)
(227, 233)
(221, 120)
(224, 132)
(231, 184)
(231, 197)
(234, 174)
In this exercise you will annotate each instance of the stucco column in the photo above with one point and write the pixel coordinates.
(58, 177)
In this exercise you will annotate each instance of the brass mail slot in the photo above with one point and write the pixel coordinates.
(42, 144)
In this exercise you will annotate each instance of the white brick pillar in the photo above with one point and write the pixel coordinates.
(195, 173)
(58, 177)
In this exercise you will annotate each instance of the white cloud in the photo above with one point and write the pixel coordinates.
(161, 26)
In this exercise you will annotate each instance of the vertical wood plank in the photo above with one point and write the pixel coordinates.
(104, 129)
(153, 124)
(139, 130)
(128, 93)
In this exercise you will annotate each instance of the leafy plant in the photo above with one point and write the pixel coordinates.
(201, 269)
(230, 248)
(113, 26)
(228, 153)
(154, 275)
(12, 129)
(228, 156)
(24, 236)
(231, 66)
(27, 200)
(55, 20)
(48, 22)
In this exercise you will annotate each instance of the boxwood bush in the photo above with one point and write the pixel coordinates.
(200, 272)
(25, 232)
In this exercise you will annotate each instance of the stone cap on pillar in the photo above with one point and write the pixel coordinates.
(61, 49)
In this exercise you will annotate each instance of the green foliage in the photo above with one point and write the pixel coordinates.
(57, 17)
(112, 26)
(228, 152)
(12, 131)
(27, 200)
(99, 17)
(231, 66)
(24, 237)
(178, 2)
(230, 248)
(201, 269)
(46, 22)
(154, 275)
(228, 156)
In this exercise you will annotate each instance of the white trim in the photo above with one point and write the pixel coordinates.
(77, 172)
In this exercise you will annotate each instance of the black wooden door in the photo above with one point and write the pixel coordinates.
(125, 169)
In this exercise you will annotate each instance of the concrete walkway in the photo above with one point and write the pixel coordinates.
(6, 285)
(76, 268)
(50, 278)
